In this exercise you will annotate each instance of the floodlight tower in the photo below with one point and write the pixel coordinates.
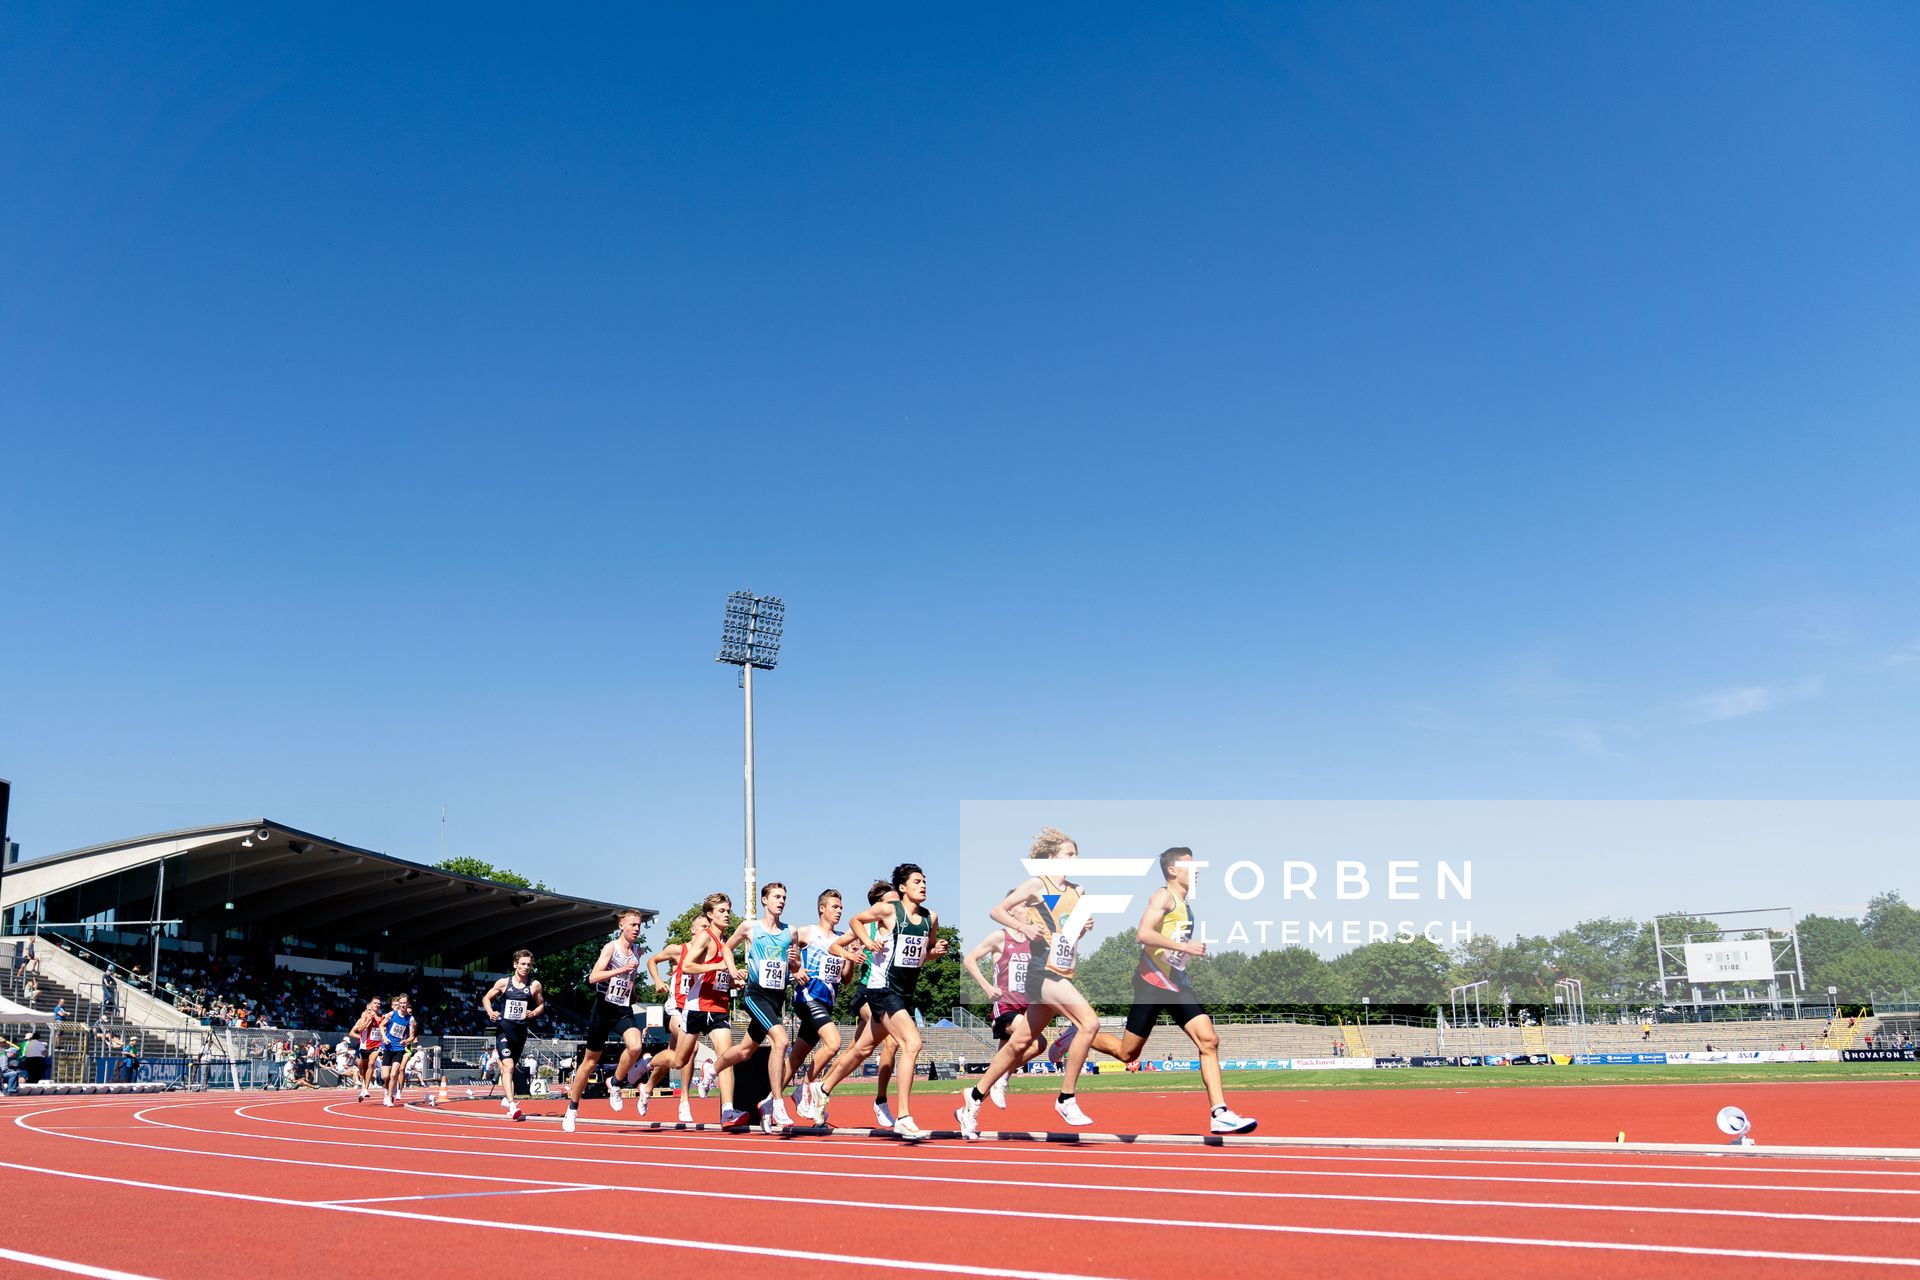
(749, 638)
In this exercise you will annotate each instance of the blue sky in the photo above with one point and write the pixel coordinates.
(1325, 403)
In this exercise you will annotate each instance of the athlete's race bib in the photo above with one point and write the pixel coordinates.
(830, 969)
(620, 988)
(723, 979)
(516, 1010)
(1017, 973)
(773, 974)
(1061, 953)
(1176, 960)
(912, 951)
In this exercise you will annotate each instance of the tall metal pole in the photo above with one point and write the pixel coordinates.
(159, 892)
(747, 907)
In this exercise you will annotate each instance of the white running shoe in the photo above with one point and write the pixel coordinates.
(906, 1128)
(506, 1104)
(686, 1111)
(766, 1116)
(640, 1100)
(363, 1095)
(999, 1092)
(968, 1115)
(614, 1098)
(883, 1114)
(810, 1105)
(1070, 1111)
(566, 1121)
(516, 1114)
(1225, 1120)
(780, 1116)
(1057, 1051)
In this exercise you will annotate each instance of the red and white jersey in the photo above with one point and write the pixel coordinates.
(1010, 975)
(711, 992)
(678, 984)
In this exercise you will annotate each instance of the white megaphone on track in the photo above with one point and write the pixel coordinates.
(1733, 1121)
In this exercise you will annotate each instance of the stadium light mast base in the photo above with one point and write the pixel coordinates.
(749, 638)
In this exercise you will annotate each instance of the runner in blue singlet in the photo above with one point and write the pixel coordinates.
(770, 972)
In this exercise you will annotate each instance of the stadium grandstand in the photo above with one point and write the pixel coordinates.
(139, 947)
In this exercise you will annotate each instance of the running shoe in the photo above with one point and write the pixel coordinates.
(614, 1098)
(386, 1102)
(734, 1119)
(882, 1114)
(507, 1104)
(1069, 1109)
(1057, 1051)
(766, 1116)
(518, 1114)
(1226, 1121)
(813, 1106)
(686, 1111)
(968, 1115)
(566, 1121)
(906, 1128)
(780, 1116)
(999, 1092)
(640, 1100)
(363, 1095)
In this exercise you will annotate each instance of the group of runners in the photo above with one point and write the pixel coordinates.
(387, 1043)
(884, 949)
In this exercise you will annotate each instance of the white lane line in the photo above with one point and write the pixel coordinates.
(900, 1264)
(627, 1158)
(1160, 1191)
(468, 1195)
(1207, 1162)
(761, 1250)
(1213, 1158)
(68, 1266)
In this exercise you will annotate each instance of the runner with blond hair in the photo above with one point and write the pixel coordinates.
(1038, 911)
(612, 977)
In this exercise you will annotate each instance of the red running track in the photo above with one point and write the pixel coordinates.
(212, 1187)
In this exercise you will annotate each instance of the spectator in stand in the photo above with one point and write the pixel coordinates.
(32, 964)
(60, 1010)
(35, 1057)
(130, 1059)
(30, 991)
(10, 1072)
(109, 991)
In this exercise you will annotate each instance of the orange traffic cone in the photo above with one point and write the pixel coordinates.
(443, 1090)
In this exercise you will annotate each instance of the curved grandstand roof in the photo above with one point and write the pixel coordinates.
(281, 880)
